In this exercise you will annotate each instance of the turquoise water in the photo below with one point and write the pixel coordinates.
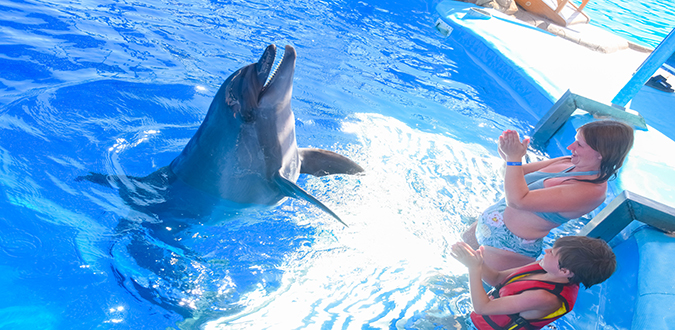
(119, 87)
(643, 22)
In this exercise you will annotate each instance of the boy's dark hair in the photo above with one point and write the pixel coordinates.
(591, 260)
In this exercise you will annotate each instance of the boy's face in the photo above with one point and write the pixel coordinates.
(551, 264)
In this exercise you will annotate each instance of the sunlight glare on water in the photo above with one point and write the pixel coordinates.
(403, 215)
(120, 87)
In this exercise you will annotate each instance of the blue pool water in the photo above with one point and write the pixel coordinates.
(120, 87)
(642, 22)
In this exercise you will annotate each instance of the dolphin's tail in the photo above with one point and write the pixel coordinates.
(291, 189)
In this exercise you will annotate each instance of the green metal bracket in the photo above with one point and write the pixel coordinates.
(570, 102)
(625, 208)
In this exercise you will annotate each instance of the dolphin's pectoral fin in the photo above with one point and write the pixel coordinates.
(291, 189)
(319, 162)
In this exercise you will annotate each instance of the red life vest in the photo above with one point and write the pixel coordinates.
(566, 292)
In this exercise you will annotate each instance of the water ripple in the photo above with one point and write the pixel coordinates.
(120, 86)
(18, 243)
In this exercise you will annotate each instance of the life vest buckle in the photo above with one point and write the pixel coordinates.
(518, 322)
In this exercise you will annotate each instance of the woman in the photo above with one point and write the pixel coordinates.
(543, 195)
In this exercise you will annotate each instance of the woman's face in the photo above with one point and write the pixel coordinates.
(582, 154)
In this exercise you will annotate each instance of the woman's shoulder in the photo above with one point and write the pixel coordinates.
(556, 164)
(565, 160)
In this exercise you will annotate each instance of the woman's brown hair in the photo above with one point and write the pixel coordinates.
(612, 140)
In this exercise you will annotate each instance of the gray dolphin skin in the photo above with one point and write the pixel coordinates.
(244, 152)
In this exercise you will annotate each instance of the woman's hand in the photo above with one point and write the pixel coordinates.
(501, 153)
(472, 259)
(510, 146)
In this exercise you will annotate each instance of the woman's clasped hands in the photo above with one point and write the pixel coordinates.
(511, 148)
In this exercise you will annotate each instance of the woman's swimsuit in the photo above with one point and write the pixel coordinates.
(491, 231)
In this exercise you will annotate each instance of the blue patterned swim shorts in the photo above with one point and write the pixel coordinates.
(491, 231)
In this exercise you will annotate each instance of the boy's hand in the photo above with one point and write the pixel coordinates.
(472, 259)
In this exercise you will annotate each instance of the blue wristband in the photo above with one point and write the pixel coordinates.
(514, 163)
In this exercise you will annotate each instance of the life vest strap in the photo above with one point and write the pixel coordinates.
(518, 322)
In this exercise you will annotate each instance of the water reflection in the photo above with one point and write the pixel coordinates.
(120, 87)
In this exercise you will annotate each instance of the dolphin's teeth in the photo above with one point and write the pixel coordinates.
(276, 66)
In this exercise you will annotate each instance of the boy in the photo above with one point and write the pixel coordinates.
(539, 293)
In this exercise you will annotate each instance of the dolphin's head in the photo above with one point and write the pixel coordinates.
(246, 90)
(239, 131)
(245, 151)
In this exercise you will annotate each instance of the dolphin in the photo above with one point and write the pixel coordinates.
(244, 153)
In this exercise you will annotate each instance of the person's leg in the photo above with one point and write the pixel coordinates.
(499, 259)
(503, 249)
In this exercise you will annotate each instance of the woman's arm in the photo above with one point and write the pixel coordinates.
(581, 197)
(513, 150)
(530, 167)
(533, 167)
(536, 166)
(568, 197)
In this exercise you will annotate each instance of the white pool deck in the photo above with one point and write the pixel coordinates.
(554, 65)
(538, 68)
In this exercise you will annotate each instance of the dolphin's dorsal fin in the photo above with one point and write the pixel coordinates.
(319, 162)
(291, 189)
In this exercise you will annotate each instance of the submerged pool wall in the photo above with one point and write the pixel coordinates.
(522, 87)
(526, 61)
